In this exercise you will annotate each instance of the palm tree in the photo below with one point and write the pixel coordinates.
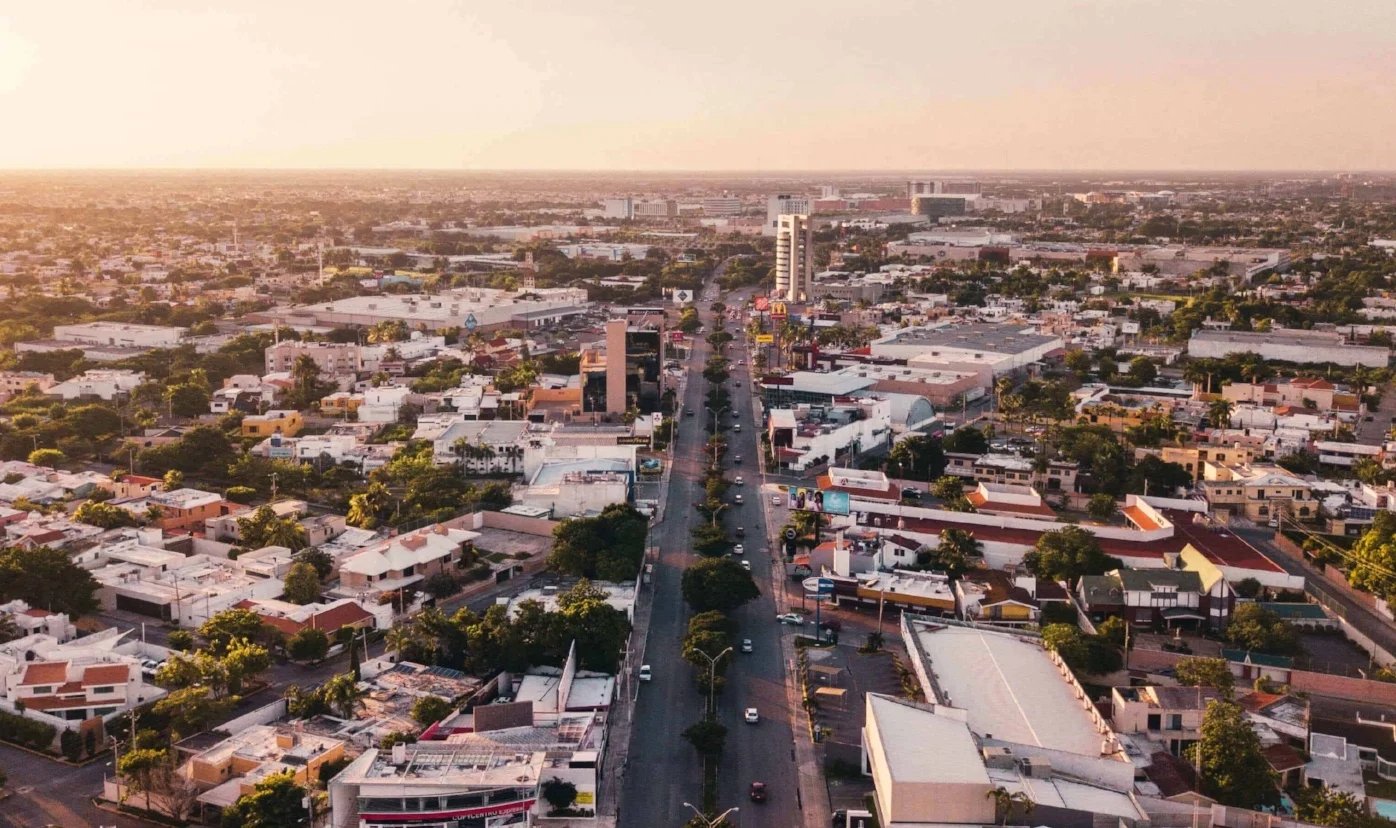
(1005, 802)
(1219, 413)
(344, 695)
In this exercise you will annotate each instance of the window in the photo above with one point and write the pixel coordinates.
(1175, 721)
(98, 691)
(42, 691)
(1154, 721)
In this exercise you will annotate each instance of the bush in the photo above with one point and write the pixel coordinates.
(26, 732)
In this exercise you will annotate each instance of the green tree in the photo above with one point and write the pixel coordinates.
(1152, 475)
(264, 527)
(191, 710)
(1114, 631)
(1101, 506)
(916, 458)
(1234, 771)
(302, 584)
(48, 457)
(1253, 627)
(948, 488)
(139, 768)
(318, 558)
(966, 440)
(428, 710)
(599, 630)
(718, 584)
(1373, 558)
(1142, 370)
(1200, 671)
(1219, 413)
(1078, 362)
(1007, 804)
(174, 479)
(46, 578)
(220, 630)
(709, 540)
(181, 640)
(1068, 553)
(104, 515)
(607, 547)
(275, 802)
(1333, 808)
(308, 644)
(370, 508)
(244, 661)
(559, 794)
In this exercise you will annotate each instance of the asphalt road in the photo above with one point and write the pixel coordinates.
(49, 793)
(663, 770)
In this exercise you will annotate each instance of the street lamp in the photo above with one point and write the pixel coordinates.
(711, 823)
(716, 414)
(716, 511)
(712, 674)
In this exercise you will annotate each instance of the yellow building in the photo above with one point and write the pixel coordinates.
(1193, 458)
(232, 767)
(1259, 493)
(285, 422)
(340, 403)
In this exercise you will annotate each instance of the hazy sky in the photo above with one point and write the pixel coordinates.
(662, 84)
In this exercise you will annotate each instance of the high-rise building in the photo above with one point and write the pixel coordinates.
(779, 205)
(942, 186)
(794, 258)
(618, 208)
(626, 372)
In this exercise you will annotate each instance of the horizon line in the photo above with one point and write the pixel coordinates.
(711, 171)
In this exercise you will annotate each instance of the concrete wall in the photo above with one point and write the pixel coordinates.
(1321, 684)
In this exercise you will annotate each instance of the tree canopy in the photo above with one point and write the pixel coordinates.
(607, 547)
(1067, 554)
(718, 584)
(47, 579)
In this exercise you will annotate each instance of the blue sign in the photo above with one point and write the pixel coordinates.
(471, 323)
(826, 586)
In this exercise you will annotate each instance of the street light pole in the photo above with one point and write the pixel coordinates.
(712, 675)
(714, 822)
(717, 511)
(716, 414)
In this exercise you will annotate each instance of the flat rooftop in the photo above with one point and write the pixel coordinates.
(907, 729)
(981, 336)
(1009, 687)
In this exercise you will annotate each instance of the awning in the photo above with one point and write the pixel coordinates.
(1175, 613)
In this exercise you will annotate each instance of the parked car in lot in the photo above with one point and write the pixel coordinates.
(791, 618)
(775, 500)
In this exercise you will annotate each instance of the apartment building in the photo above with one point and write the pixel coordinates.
(794, 274)
(334, 359)
(1012, 470)
(1169, 715)
(1258, 493)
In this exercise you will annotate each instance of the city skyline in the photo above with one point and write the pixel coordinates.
(618, 86)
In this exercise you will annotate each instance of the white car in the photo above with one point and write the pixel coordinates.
(791, 618)
(746, 565)
(776, 500)
(746, 645)
(751, 716)
(739, 481)
(645, 673)
(738, 549)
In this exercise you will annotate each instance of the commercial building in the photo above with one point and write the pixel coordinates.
(794, 274)
(806, 436)
(938, 387)
(999, 348)
(104, 384)
(232, 767)
(1012, 470)
(1004, 713)
(618, 208)
(169, 586)
(119, 334)
(1259, 493)
(627, 370)
(1288, 345)
(721, 206)
(942, 186)
(482, 309)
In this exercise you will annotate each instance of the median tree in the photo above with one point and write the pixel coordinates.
(718, 584)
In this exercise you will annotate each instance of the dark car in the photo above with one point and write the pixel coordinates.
(910, 492)
(758, 791)
(688, 412)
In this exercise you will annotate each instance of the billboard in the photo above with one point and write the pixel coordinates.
(765, 339)
(762, 303)
(778, 310)
(682, 296)
(807, 499)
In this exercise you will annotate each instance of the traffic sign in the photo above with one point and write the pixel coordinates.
(826, 586)
(471, 323)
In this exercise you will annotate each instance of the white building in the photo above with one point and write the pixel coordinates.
(618, 208)
(785, 204)
(1288, 345)
(482, 446)
(104, 384)
(59, 683)
(1001, 348)
(119, 334)
(483, 309)
(803, 437)
(794, 258)
(332, 358)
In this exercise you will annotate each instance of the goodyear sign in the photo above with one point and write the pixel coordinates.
(765, 339)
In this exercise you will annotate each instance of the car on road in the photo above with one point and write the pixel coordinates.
(738, 550)
(746, 645)
(908, 491)
(688, 412)
(645, 673)
(751, 716)
(746, 565)
(758, 792)
(739, 481)
(736, 426)
(741, 532)
(791, 618)
(737, 461)
(737, 499)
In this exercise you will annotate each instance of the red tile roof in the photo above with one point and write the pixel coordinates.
(104, 674)
(1282, 757)
(45, 672)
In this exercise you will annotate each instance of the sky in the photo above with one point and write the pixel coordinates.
(710, 85)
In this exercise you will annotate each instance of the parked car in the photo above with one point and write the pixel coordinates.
(751, 716)
(739, 481)
(737, 499)
(645, 673)
(775, 500)
(737, 461)
(791, 618)
(741, 532)
(910, 492)
(746, 565)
